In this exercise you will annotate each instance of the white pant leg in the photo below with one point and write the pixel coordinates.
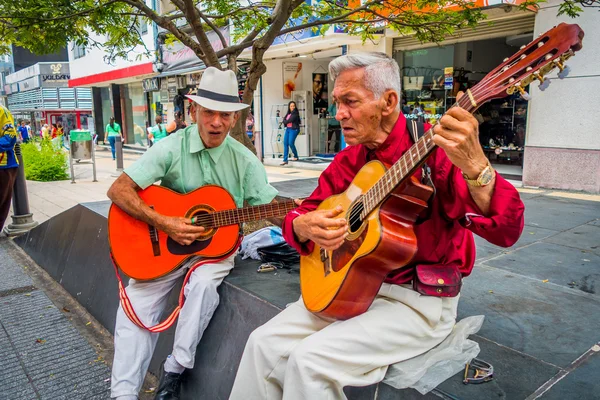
(262, 367)
(201, 301)
(134, 346)
(400, 324)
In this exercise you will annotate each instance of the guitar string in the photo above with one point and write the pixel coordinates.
(223, 214)
(228, 217)
(380, 187)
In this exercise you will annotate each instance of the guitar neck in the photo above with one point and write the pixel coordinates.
(239, 215)
(405, 167)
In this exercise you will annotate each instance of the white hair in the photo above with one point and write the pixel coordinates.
(381, 72)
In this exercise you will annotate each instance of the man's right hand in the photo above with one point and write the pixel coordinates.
(324, 227)
(181, 229)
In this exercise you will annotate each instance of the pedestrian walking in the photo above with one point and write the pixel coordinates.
(291, 120)
(8, 162)
(113, 129)
(158, 132)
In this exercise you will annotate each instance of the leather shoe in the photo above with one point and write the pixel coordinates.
(168, 387)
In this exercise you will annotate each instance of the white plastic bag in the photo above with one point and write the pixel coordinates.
(427, 371)
(261, 238)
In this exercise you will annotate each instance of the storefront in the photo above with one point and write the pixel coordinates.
(40, 94)
(433, 75)
(303, 78)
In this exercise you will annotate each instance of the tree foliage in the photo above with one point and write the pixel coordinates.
(44, 27)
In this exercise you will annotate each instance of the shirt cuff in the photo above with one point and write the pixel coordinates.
(287, 230)
(504, 223)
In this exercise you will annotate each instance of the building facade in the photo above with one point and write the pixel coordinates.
(40, 94)
(117, 86)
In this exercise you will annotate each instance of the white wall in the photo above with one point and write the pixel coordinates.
(273, 95)
(93, 62)
(564, 116)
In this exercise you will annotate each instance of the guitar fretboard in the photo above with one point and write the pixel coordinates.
(404, 167)
(239, 215)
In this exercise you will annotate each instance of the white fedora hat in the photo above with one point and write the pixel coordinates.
(218, 91)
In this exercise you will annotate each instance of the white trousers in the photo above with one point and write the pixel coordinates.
(134, 346)
(298, 355)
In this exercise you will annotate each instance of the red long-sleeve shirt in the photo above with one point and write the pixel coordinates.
(447, 236)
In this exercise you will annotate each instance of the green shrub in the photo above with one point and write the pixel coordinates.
(43, 162)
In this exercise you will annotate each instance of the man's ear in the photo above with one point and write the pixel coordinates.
(390, 102)
(236, 116)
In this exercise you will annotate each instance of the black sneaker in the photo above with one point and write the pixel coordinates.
(168, 387)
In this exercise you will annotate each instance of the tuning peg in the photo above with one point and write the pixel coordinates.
(523, 92)
(544, 85)
(564, 71)
(539, 77)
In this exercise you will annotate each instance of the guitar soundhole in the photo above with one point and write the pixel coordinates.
(354, 216)
(201, 213)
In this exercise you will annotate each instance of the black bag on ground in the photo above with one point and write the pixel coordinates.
(281, 255)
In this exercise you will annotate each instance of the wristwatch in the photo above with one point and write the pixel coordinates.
(484, 178)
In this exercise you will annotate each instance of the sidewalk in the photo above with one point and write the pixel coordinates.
(42, 354)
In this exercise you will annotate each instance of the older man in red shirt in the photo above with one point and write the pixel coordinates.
(299, 355)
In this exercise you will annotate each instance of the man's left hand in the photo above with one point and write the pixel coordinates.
(458, 135)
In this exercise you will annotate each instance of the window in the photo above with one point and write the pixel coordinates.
(142, 26)
(78, 51)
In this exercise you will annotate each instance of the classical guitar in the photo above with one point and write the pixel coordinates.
(143, 252)
(381, 204)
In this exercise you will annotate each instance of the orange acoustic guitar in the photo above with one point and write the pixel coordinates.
(383, 202)
(143, 252)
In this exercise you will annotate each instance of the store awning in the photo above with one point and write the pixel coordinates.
(118, 76)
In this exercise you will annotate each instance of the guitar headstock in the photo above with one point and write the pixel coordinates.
(532, 62)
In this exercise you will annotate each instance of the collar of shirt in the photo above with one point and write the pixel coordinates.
(392, 148)
(197, 145)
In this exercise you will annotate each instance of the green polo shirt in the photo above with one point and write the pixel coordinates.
(183, 164)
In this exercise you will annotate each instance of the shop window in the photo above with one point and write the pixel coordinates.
(423, 93)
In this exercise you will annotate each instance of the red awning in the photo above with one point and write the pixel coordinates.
(122, 73)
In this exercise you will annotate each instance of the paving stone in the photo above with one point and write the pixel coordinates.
(584, 237)
(581, 383)
(12, 274)
(516, 376)
(59, 360)
(13, 379)
(548, 322)
(559, 264)
(559, 214)
(295, 189)
(531, 234)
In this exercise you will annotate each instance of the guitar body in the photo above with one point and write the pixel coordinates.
(343, 283)
(143, 252)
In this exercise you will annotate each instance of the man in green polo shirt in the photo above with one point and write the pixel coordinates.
(192, 157)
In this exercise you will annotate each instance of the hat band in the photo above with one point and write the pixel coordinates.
(207, 94)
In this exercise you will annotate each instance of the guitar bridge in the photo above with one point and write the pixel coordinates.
(154, 239)
(326, 260)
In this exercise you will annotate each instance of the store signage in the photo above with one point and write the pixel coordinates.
(448, 78)
(58, 72)
(427, 117)
(151, 85)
